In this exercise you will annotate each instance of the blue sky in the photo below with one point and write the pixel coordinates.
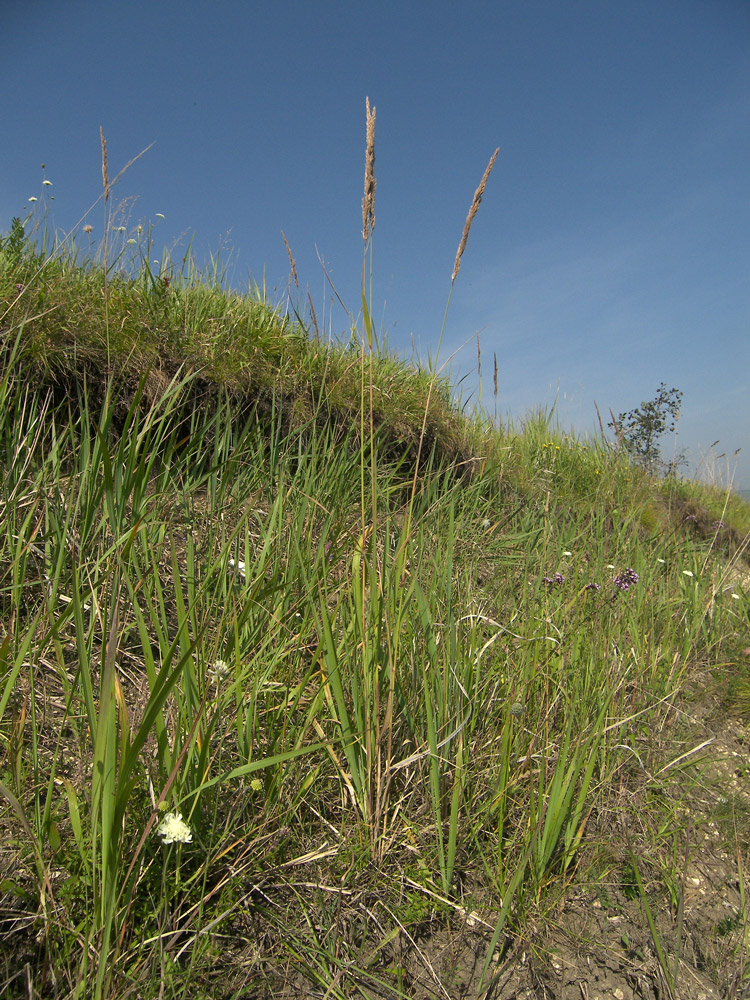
(611, 249)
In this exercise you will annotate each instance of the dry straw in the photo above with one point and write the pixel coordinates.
(472, 212)
(368, 202)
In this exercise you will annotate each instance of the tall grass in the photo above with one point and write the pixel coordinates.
(297, 660)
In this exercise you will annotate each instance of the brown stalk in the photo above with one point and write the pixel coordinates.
(368, 202)
(313, 317)
(292, 261)
(472, 212)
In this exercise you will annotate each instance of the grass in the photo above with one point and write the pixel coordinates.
(371, 650)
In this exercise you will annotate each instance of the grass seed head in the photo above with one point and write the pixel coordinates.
(368, 202)
(472, 212)
(105, 169)
(292, 262)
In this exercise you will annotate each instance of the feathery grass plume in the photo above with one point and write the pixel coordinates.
(105, 169)
(479, 358)
(292, 261)
(368, 202)
(472, 212)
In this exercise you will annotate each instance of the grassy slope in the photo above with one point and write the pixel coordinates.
(374, 653)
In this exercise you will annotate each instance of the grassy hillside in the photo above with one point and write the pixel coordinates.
(311, 685)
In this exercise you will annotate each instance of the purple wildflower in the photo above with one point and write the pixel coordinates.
(626, 579)
(592, 586)
(558, 580)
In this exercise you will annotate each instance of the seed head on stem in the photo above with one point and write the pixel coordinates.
(368, 202)
(105, 170)
(472, 212)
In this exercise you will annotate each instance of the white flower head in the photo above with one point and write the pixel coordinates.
(159, 215)
(32, 198)
(173, 829)
(566, 553)
(662, 561)
(47, 183)
(219, 671)
(687, 572)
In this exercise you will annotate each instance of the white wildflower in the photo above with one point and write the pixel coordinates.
(662, 561)
(219, 671)
(47, 183)
(566, 553)
(159, 215)
(173, 830)
(32, 198)
(239, 565)
(687, 572)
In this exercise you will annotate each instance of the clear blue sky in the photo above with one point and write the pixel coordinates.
(611, 251)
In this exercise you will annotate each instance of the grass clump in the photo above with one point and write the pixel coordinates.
(300, 667)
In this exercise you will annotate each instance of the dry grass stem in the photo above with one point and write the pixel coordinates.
(495, 377)
(292, 262)
(368, 202)
(479, 358)
(472, 212)
(313, 315)
(105, 169)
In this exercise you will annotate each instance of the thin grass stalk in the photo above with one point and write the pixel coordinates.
(655, 935)
(105, 184)
(456, 267)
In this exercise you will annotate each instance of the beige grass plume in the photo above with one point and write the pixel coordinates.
(472, 212)
(368, 202)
